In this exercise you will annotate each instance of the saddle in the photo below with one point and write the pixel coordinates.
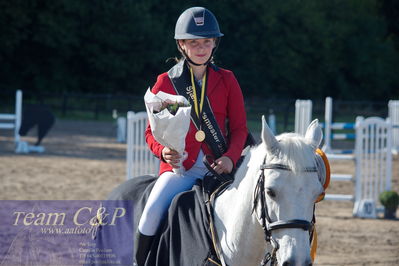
(187, 235)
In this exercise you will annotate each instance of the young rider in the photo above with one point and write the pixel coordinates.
(218, 119)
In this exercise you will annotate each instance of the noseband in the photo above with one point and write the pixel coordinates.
(267, 224)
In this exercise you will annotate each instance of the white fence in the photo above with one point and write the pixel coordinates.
(13, 121)
(393, 107)
(139, 159)
(373, 163)
(372, 156)
(303, 117)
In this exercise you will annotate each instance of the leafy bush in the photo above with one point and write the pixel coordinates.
(390, 200)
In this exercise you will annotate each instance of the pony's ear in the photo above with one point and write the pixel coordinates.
(314, 134)
(268, 137)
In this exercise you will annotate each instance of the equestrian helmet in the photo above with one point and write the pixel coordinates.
(197, 23)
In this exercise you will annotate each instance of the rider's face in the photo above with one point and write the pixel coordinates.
(198, 50)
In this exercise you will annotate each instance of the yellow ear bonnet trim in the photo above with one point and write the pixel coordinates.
(313, 245)
(327, 166)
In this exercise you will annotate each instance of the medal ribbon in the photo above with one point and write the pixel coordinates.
(201, 103)
(180, 79)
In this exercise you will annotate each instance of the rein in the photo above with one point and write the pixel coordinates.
(266, 222)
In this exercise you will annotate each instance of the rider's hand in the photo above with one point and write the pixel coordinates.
(171, 157)
(223, 165)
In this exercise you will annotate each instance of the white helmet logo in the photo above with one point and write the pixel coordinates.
(199, 21)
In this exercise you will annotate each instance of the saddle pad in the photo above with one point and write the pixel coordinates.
(132, 194)
(186, 237)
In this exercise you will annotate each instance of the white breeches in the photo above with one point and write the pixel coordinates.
(166, 187)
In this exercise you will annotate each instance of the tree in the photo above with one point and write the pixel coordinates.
(389, 9)
(277, 49)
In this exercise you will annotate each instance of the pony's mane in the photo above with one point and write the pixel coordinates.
(295, 152)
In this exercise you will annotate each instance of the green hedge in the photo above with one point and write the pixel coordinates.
(290, 49)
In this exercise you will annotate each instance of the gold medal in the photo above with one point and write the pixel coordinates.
(200, 136)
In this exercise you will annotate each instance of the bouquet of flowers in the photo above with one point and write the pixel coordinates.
(172, 106)
(169, 117)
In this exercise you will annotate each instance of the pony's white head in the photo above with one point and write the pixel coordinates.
(292, 184)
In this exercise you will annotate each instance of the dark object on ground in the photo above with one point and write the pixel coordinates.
(39, 115)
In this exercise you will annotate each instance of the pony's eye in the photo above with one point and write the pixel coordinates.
(271, 193)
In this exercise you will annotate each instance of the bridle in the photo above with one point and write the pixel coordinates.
(323, 171)
(266, 222)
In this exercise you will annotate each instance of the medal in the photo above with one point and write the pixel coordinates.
(200, 136)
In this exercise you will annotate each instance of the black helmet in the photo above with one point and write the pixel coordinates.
(197, 23)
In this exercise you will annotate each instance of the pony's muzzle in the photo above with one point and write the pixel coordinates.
(292, 262)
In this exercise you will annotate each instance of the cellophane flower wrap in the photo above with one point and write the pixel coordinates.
(169, 117)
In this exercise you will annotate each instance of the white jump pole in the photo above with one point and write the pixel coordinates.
(121, 129)
(327, 125)
(18, 116)
(14, 119)
(303, 115)
(393, 108)
(272, 122)
(129, 149)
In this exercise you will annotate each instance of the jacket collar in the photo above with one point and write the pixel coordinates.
(214, 75)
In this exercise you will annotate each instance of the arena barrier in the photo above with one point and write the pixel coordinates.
(393, 109)
(373, 166)
(372, 158)
(303, 115)
(13, 121)
(329, 125)
(121, 129)
(373, 162)
(121, 125)
(139, 158)
(271, 121)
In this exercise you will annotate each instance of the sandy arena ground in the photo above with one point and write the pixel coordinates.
(83, 161)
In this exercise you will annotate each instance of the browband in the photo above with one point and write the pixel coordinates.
(285, 167)
(322, 168)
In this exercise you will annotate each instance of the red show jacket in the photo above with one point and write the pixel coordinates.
(226, 99)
